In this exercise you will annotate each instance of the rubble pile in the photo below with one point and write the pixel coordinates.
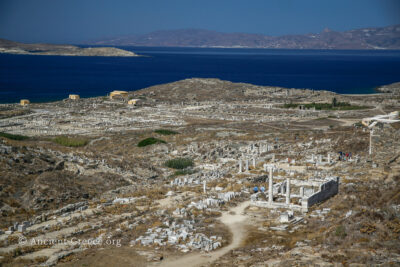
(182, 236)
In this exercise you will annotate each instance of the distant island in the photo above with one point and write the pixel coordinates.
(11, 47)
(367, 38)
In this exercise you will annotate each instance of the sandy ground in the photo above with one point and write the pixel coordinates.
(235, 220)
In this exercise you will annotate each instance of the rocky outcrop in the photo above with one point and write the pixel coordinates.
(393, 88)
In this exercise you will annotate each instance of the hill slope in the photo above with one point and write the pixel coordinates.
(367, 38)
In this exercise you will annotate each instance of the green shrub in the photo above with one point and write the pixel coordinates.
(291, 105)
(70, 141)
(327, 106)
(334, 102)
(165, 132)
(340, 231)
(13, 136)
(179, 163)
(184, 172)
(150, 141)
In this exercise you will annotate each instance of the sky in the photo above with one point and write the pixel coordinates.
(75, 21)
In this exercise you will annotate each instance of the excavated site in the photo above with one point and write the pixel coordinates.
(202, 172)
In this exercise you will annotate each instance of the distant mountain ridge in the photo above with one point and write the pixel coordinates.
(366, 38)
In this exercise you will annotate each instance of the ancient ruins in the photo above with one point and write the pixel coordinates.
(201, 172)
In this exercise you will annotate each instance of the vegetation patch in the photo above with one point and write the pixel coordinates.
(184, 172)
(335, 105)
(71, 141)
(179, 163)
(165, 132)
(150, 141)
(340, 231)
(13, 136)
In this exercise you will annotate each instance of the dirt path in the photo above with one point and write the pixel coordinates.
(235, 221)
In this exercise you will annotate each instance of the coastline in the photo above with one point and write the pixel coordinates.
(133, 92)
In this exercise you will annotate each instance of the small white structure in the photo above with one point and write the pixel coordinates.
(133, 102)
(286, 217)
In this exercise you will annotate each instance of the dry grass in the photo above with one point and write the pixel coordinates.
(71, 141)
(121, 208)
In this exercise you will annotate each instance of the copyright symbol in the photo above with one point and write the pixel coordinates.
(22, 240)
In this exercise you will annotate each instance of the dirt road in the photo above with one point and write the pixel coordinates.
(235, 221)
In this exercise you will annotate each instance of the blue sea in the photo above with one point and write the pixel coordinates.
(48, 78)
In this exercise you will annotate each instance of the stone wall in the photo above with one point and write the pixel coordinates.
(326, 190)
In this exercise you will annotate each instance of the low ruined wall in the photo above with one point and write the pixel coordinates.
(326, 191)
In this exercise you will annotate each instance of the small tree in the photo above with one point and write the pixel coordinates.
(334, 102)
(341, 231)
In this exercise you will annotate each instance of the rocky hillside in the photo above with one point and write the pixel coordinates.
(11, 47)
(393, 88)
(201, 89)
(367, 38)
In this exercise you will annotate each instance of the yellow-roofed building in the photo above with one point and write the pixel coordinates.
(74, 97)
(24, 102)
(118, 93)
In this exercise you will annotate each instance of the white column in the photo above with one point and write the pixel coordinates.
(247, 165)
(312, 157)
(329, 158)
(204, 186)
(320, 159)
(254, 162)
(270, 196)
(240, 166)
(287, 191)
(301, 192)
(370, 141)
